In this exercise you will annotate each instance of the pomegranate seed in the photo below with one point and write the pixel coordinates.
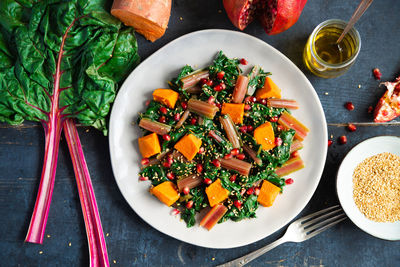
(218, 88)
(203, 81)
(163, 110)
(189, 204)
(184, 105)
(235, 151)
(166, 137)
(170, 176)
(216, 163)
(262, 101)
(220, 75)
(377, 73)
(289, 181)
(247, 107)
(218, 105)
(193, 121)
(330, 142)
(256, 191)
(278, 141)
(199, 167)
(243, 61)
(162, 119)
(237, 203)
(233, 178)
(249, 128)
(228, 156)
(201, 150)
(351, 127)
(247, 99)
(175, 212)
(274, 119)
(280, 128)
(207, 181)
(147, 103)
(250, 191)
(349, 105)
(177, 117)
(370, 109)
(186, 190)
(295, 154)
(343, 139)
(143, 178)
(166, 164)
(243, 128)
(145, 161)
(385, 112)
(240, 156)
(253, 99)
(170, 159)
(211, 100)
(223, 85)
(210, 83)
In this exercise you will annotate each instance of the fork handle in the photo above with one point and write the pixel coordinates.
(239, 262)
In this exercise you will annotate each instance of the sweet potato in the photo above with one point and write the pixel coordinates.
(166, 192)
(149, 18)
(268, 193)
(236, 111)
(149, 145)
(188, 145)
(270, 89)
(264, 135)
(216, 193)
(166, 97)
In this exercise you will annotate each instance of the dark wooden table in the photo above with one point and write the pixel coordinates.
(132, 242)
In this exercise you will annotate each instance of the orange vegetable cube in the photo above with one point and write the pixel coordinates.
(166, 192)
(264, 135)
(188, 145)
(268, 193)
(166, 97)
(216, 193)
(270, 89)
(149, 145)
(236, 111)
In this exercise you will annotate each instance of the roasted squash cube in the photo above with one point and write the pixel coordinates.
(236, 111)
(149, 145)
(166, 192)
(216, 193)
(265, 136)
(270, 89)
(268, 193)
(188, 145)
(166, 97)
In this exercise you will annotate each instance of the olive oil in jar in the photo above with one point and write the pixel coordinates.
(323, 57)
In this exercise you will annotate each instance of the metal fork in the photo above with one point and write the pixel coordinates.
(298, 231)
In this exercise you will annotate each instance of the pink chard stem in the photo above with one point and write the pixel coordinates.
(94, 230)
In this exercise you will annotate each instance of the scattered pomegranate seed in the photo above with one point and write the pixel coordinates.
(175, 212)
(186, 190)
(262, 101)
(250, 191)
(216, 163)
(243, 129)
(166, 137)
(163, 110)
(249, 128)
(201, 150)
(247, 99)
(228, 156)
(280, 128)
(199, 167)
(289, 181)
(349, 106)
(170, 159)
(377, 73)
(218, 87)
(143, 178)
(243, 61)
(189, 204)
(370, 109)
(343, 139)
(237, 203)
(295, 154)
(145, 161)
(235, 151)
(330, 142)
(233, 178)
(147, 103)
(211, 100)
(274, 119)
(218, 105)
(278, 141)
(184, 105)
(193, 121)
(177, 117)
(162, 119)
(166, 164)
(223, 85)
(207, 181)
(247, 107)
(256, 191)
(210, 83)
(351, 127)
(203, 81)
(220, 75)
(253, 99)
(241, 156)
(385, 112)
(170, 176)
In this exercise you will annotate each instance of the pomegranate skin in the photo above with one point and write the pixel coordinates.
(236, 11)
(287, 14)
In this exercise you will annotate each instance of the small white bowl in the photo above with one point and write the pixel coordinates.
(344, 185)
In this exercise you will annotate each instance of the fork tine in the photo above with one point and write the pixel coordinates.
(315, 220)
(318, 225)
(315, 214)
(316, 232)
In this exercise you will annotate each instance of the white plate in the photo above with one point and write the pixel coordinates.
(344, 184)
(198, 49)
